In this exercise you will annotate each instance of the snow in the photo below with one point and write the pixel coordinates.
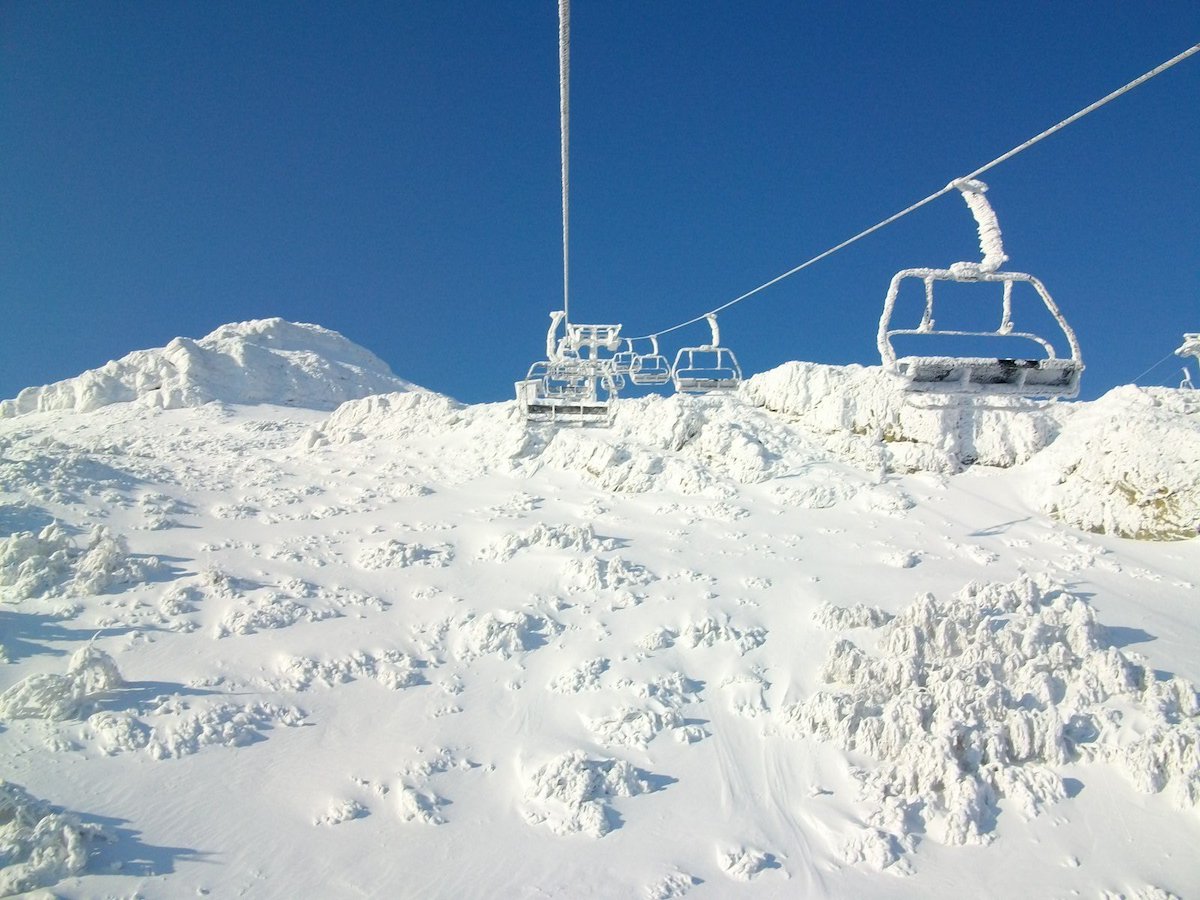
(1128, 465)
(794, 641)
(263, 361)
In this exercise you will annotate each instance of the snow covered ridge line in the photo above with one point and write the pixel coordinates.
(260, 361)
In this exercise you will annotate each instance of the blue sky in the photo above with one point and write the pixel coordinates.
(390, 170)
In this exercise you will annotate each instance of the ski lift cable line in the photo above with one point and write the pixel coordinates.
(564, 123)
(1153, 367)
(1142, 79)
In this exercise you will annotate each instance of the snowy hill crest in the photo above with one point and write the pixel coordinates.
(260, 361)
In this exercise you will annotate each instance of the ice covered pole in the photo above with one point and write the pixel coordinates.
(564, 116)
(991, 243)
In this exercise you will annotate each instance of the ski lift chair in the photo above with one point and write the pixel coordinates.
(652, 368)
(622, 362)
(710, 367)
(1047, 376)
(568, 385)
(567, 391)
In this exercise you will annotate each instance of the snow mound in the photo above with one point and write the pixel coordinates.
(38, 846)
(596, 574)
(394, 554)
(1127, 464)
(50, 564)
(261, 361)
(503, 633)
(973, 703)
(91, 673)
(580, 538)
(420, 806)
(391, 668)
(341, 811)
(866, 419)
(830, 617)
(745, 863)
(222, 724)
(584, 677)
(570, 794)
(685, 444)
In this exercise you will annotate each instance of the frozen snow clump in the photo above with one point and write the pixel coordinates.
(91, 674)
(51, 564)
(571, 793)
(578, 538)
(974, 703)
(38, 846)
(865, 420)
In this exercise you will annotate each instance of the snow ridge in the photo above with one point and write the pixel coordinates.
(260, 361)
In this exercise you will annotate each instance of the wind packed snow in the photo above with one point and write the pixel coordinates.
(795, 641)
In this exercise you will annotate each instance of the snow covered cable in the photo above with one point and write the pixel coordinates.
(564, 116)
(1142, 79)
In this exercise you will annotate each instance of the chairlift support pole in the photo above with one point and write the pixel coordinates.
(564, 127)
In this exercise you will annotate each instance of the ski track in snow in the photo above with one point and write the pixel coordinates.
(793, 642)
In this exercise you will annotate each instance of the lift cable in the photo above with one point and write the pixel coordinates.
(1157, 70)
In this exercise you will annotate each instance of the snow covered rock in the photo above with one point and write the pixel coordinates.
(260, 361)
(867, 419)
(1127, 464)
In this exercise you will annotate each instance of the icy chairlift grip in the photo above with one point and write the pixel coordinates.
(1050, 376)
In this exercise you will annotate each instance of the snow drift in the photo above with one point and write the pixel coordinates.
(261, 361)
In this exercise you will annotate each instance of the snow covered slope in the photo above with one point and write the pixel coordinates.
(263, 361)
(780, 644)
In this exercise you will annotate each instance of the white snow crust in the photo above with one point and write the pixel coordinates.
(793, 641)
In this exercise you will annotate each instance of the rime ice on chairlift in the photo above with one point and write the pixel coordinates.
(710, 367)
(650, 368)
(1048, 376)
(575, 383)
(1190, 347)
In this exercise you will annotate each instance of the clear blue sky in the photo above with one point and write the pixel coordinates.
(390, 170)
